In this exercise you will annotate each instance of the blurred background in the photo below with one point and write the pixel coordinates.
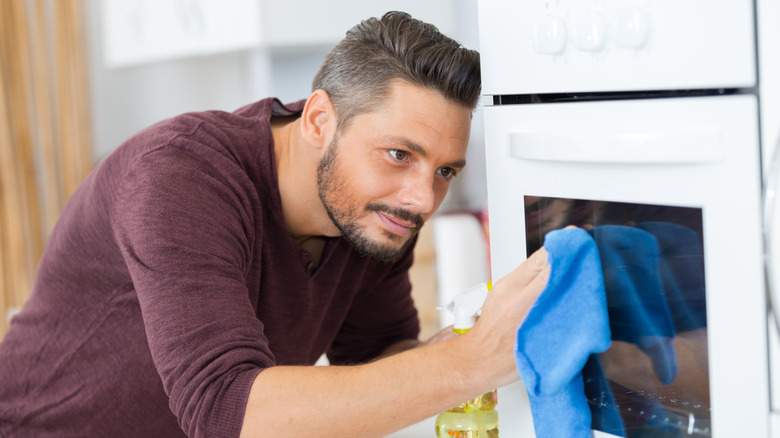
(81, 76)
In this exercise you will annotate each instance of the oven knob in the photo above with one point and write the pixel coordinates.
(632, 28)
(550, 35)
(589, 32)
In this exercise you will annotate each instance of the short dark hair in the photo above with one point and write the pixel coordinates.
(358, 72)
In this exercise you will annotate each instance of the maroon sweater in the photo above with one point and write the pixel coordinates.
(170, 282)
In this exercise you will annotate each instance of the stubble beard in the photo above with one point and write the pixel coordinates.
(333, 192)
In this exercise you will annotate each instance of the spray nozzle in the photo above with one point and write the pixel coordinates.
(467, 305)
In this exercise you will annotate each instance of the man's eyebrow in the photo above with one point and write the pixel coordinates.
(419, 150)
(405, 142)
(458, 164)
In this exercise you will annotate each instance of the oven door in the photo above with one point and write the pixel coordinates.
(685, 172)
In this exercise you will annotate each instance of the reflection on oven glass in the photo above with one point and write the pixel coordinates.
(654, 379)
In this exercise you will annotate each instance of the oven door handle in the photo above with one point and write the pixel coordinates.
(771, 237)
(694, 145)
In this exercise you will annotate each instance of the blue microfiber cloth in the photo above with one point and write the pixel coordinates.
(563, 328)
(638, 309)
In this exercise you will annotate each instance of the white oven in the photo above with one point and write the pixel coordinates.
(641, 118)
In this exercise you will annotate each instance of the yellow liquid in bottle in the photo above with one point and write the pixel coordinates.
(475, 418)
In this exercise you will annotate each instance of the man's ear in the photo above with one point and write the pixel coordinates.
(318, 120)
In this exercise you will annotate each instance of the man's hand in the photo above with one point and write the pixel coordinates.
(504, 311)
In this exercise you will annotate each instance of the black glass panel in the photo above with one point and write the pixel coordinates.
(654, 379)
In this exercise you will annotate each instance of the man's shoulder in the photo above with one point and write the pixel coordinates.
(270, 107)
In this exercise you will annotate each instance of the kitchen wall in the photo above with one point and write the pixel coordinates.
(293, 40)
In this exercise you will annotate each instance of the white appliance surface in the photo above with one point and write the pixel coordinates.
(767, 12)
(768, 33)
(553, 46)
(653, 102)
(718, 174)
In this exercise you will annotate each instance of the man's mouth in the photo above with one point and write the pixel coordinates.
(397, 220)
(396, 225)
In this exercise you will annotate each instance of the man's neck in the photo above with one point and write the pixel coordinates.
(296, 169)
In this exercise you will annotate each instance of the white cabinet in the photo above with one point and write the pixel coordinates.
(326, 22)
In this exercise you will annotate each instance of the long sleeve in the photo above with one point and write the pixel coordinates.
(186, 235)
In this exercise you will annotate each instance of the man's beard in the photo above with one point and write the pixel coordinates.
(332, 189)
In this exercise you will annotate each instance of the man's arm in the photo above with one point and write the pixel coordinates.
(377, 398)
(401, 346)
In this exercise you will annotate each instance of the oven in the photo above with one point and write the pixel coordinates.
(639, 121)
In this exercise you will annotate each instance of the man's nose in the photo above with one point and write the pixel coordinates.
(417, 193)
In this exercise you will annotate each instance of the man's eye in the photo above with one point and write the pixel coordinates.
(447, 172)
(399, 154)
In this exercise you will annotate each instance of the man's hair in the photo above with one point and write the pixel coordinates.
(358, 72)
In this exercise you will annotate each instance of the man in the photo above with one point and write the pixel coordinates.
(203, 266)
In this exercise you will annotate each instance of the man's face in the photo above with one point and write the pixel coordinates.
(389, 171)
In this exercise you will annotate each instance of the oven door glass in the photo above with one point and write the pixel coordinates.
(654, 379)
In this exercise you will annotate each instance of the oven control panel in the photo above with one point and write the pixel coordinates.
(588, 31)
(570, 46)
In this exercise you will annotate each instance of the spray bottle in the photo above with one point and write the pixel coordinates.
(475, 418)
